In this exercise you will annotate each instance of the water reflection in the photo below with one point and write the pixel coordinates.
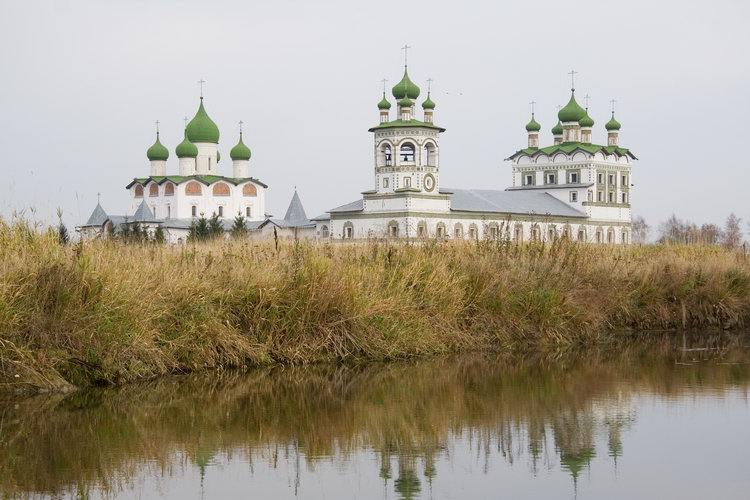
(544, 412)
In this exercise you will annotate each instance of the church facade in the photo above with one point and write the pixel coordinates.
(571, 189)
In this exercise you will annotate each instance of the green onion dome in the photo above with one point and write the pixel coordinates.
(557, 129)
(586, 121)
(405, 88)
(157, 151)
(572, 112)
(533, 125)
(612, 124)
(384, 104)
(240, 151)
(406, 103)
(428, 104)
(186, 149)
(201, 128)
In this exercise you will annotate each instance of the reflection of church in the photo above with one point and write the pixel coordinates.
(573, 188)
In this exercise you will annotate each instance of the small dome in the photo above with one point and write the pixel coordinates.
(384, 104)
(428, 104)
(405, 88)
(557, 129)
(201, 128)
(186, 149)
(406, 103)
(157, 151)
(533, 125)
(240, 151)
(572, 112)
(586, 121)
(612, 124)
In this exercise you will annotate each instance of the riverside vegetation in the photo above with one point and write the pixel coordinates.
(107, 312)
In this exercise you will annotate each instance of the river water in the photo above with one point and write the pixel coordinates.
(664, 418)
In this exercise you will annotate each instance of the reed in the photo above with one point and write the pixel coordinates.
(105, 312)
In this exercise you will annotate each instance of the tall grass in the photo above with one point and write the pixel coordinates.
(105, 312)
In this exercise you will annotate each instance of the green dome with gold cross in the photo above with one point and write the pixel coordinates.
(157, 152)
(201, 128)
(405, 88)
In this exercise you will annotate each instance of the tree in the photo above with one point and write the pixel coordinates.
(673, 230)
(199, 229)
(159, 235)
(640, 230)
(710, 234)
(62, 232)
(215, 227)
(732, 232)
(239, 230)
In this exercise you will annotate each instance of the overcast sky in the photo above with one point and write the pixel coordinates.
(83, 82)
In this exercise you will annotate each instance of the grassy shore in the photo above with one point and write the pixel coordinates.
(106, 312)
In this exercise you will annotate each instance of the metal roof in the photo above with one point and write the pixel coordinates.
(295, 214)
(355, 206)
(97, 218)
(143, 214)
(510, 202)
(551, 186)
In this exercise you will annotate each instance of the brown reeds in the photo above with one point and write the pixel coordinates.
(106, 312)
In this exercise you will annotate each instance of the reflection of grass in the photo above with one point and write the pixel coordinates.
(551, 405)
(103, 312)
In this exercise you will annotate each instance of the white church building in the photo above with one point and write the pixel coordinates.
(174, 200)
(573, 188)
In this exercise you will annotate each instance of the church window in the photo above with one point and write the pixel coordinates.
(551, 234)
(169, 212)
(473, 232)
(624, 180)
(441, 230)
(407, 152)
(407, 181)
(153, 210)
(610, 236)
(529, 180)
(249, 190)
(492, 231)
(599, 196)
(518, 233)
(422, 229)
(193, 188)
(221, 189)
(385, 182)
(139, 191)
(600, 178)
(194, 211)
(574, 177)
(611, 179)
(581, 235)
(153, 190)
(430, 155)
(624, 197)
(248, 212)
(599, 236)
(611, 197)
(574, 196)
(387, 155)
(324, 231)
(221, 211)
(535, 233)
(624, 237)
(348, 230)
(458, 231)
(550, 178)
(393, 229)
(169, 189)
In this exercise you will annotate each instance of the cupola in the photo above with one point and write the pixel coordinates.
(384, 106)
(586, 123)
(186, 149)
(405, 88)
(240, 155)
(428, 106)
(405, 106)
(557, 132)
(533, 128)
(613, 131)
(201, 128)
(240, 151)
(569, 116)
(157, 155)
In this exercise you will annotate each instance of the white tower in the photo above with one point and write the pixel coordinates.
(204, 133)
(240, 155)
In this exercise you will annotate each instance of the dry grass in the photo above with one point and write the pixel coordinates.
(104, 312)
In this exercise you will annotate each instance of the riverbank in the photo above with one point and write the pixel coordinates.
(107, 313)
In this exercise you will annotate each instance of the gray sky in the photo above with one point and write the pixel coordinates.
(83, 82)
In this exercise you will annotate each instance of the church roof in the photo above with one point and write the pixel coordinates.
(509, 202)
(205, 179)
(355, 206)
(202, 128)
(98, 217)
(569, 147)
(295, 214)
(143, 214)
(406, 123)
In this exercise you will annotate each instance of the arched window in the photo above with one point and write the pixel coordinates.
(387, 155)
(473, 232)
(518, 233)
(611, 236)
(599, 236)
(566, 232)
(193, 188)
(491, 232)
(440, 230)
(551, 233)
(169, 189)
(624, 237)
(324, 231)
(430, 155)
(458, 231)
(249, 190)
(393, 229)
(422, 229)
(348, 230)
(406, 152)
(581, 234)
(139, 191)
(221, 189)
(535, 233)
(153, 190)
